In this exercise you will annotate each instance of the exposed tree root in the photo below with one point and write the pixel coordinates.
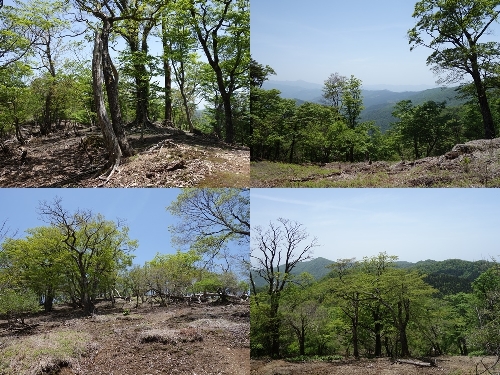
(109, 172)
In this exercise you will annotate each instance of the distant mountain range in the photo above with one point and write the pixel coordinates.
(448, 276)
(379, 104)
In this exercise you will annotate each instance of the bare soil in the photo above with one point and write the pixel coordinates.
(166, 157)
(473, 164)
(383, 366)
(177, 339)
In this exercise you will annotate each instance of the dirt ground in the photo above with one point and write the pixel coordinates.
(382, 366)
(166, 157)
(200, 339)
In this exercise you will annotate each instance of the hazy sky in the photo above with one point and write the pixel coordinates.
(414, 224)
(309, 40)
(143, 209)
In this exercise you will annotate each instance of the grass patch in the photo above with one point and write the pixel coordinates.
(42, 353)
(224, 179)
(265, 174)
(379, 175)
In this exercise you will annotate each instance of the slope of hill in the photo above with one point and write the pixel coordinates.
(302, 90)
(452, 275)
(381, 112)
(379, 104)
(316, 267)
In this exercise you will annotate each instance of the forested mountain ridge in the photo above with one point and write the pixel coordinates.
(316, 267)
(378, 104)
(448, 276)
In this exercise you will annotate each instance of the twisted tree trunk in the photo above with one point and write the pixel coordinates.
(111, 82)
(110, 138)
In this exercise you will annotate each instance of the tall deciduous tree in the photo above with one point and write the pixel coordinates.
(406, 298)
(136, 31)
(259, 73)
(50, 31)
(14, 100)
(103, 70)
(211, 219)
(453, 29)
(98, 248)
(179, 45)
(333, 89)
(275, 253)
(15, 41)
(344, 94)
(423, 128)
(38, 262)
(301, 310)
(223, 31)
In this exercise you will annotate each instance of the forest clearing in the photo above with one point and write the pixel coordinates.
(445, 365)
(473, 164)
(165, 157)
(202, 338)
(74, 299)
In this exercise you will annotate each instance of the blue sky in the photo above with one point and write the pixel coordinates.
(143, 209)
(309, 40)
(414, 224)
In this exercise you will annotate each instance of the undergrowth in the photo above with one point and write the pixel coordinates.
(42, 353)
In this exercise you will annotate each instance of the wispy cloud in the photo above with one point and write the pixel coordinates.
(314, 204)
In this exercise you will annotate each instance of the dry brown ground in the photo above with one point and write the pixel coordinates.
(199, 339)
(383, 366)
(166, 157)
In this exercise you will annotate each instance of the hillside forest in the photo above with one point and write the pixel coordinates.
(120, 65)
(453, 31)
(79, 258)
(374, 307)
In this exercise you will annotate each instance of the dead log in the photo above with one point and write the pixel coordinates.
(415, 362)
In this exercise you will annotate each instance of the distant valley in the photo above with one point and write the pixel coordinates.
(378, 103)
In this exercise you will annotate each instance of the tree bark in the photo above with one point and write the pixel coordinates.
(403, 318)
(48, 301)
(111, 82)
(274, 327)
(167, 72)
(182, 80)
(141, 88)
(302, 340)
(142, 83)
(110, 138)
(489, 128)
(213, 60)
(378, 340)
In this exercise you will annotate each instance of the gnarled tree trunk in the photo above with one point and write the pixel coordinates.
(111, 82)
(110, 138)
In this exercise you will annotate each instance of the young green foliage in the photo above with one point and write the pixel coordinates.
(453, 30)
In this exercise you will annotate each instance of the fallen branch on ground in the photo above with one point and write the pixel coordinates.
(415, 362)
